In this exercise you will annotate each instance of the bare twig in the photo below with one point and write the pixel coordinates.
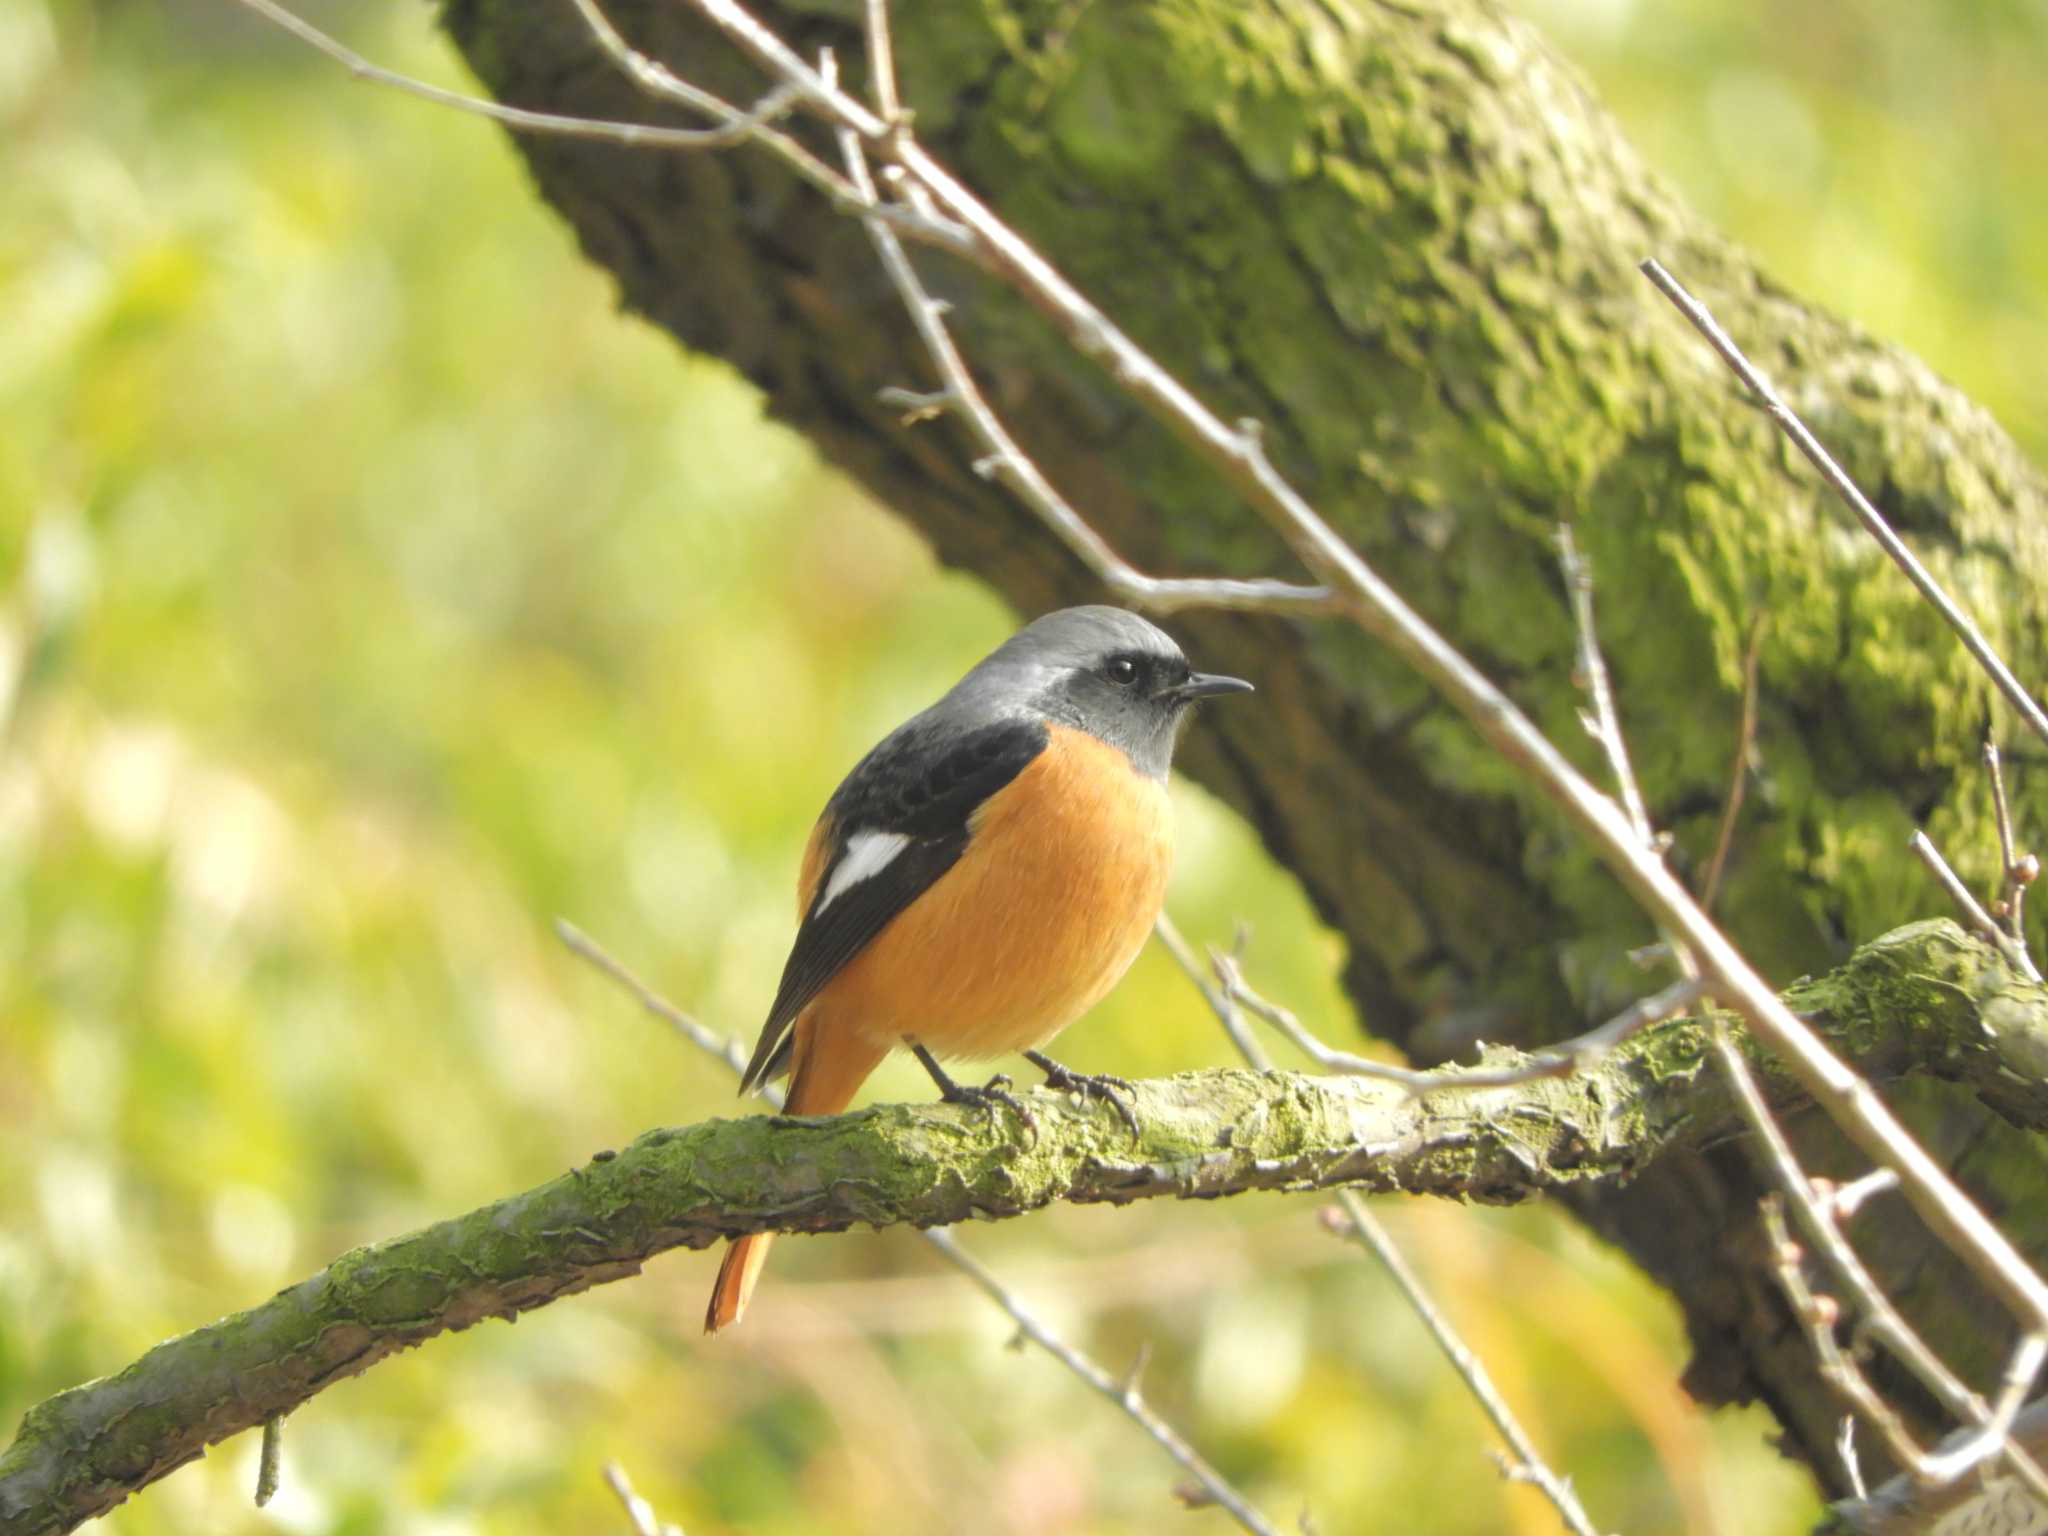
(1574, 1055)
(1000, 454)
(655, 79)
(1354, 1221)
(1818, 1314)
(1125, 1393)
(638, 1511)
(1973, 1450)
(2020, 870)
(1738, 772)
(882, 61)
(1703, 321)
(1845, 1450)
(1818, 1203)
(1903, 1506)
(1223, 1005)
(1029, 1324)
(1959, 893)
(1605, 726)
(1842, 1201)
(732, 125)
(1230, 978)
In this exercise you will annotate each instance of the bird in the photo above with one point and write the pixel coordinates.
(983, 877)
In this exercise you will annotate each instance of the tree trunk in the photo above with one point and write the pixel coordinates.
(1404, 238)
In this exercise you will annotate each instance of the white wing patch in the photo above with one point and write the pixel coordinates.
(867, 855)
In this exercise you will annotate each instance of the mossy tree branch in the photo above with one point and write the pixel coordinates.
(1924, 1000)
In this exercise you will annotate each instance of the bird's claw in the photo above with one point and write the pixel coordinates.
(991, 1093)
(1116, 1091)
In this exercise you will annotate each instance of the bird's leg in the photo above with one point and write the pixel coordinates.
(1089, 1085)
(991, 1093)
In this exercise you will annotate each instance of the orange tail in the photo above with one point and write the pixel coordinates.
(823, 1080)
(736, 1277)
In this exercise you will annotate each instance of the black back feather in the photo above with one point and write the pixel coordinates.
(923, 781)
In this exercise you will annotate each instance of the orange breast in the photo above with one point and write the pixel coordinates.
(1043, 914)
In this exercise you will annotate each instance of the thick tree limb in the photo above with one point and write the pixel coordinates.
(1926, 999)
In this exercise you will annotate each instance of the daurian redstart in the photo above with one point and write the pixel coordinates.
(983, 876)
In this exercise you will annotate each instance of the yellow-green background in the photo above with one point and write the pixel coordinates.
(371, 593)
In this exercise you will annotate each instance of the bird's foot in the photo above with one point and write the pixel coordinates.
(1116, 1091)
(991, 1093)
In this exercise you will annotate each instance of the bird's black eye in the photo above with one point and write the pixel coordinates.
(1122, 671)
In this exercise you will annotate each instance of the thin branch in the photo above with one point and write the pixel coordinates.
(1220, 1003)
(1845, 1451)
(1703, 321)
(1738, 770)
(2020, 870)
(881, 50)
(1125, 1394)
(1818, 1313)
(1000, 454)
(1572, 1056)
(1902, 1506)
(1605, 726)
(1924, 850)
(1240, 993)
(733, 126)
(1974, 1449)
(1882, 1322)
(1029, 1324)
(639, 1512)
(655, 79)
(1354, 1221)
(1818, 1316)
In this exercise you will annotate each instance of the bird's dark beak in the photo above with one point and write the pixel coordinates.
(1204, 685)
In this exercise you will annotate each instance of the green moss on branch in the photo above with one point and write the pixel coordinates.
(1923, 1000)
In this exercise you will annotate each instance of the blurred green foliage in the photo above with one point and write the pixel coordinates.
(374, 593)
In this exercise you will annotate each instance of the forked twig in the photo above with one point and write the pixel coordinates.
(1352, 1220)
(2015, 955)
(1000, 454)
(1819, 1207)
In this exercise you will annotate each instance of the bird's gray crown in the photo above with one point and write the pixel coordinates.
(1098, 669)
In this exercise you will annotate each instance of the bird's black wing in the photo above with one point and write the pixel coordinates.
(922, 783)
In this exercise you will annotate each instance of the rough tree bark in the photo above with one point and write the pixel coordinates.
(1404, 238)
